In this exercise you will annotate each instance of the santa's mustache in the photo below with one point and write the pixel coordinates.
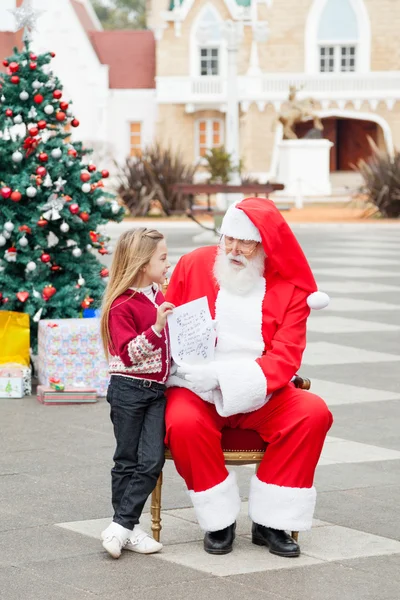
(238, 258)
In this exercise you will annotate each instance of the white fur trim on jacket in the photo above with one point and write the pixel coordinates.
(243, 387)
(237, 224)
(281, 507)
(219, 506)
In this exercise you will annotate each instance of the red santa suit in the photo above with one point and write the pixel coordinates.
(260, 343)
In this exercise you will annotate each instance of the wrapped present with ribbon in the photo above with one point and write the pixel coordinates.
(70, 350)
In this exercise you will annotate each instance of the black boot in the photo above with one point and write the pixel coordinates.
(279, 542)
(220, 542)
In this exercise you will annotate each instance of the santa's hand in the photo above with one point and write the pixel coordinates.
(202, 377)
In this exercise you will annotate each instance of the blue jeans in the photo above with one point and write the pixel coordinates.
(137, 414)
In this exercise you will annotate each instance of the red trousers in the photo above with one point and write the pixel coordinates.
(294, 422)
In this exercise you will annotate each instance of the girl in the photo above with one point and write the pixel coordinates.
(133, 329)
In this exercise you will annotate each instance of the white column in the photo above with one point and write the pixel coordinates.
(232, 33)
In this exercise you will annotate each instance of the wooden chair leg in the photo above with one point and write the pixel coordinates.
(295, 535)
(156, 509)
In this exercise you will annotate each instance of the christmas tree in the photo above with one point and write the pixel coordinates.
(52, 199)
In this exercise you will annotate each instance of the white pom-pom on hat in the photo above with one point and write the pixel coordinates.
(238, 225)
(318, 300)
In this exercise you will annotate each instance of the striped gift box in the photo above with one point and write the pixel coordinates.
(46, 395)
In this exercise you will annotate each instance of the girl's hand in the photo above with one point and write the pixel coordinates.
(163, 311)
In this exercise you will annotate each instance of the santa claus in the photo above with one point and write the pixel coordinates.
(260, 289)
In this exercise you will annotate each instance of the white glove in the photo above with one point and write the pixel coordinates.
(202, 377)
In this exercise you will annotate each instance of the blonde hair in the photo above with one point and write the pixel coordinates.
(133, 251)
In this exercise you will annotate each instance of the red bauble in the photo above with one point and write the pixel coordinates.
(105, 174)
(104, 272)
(91, 168)
(42, 124)
(5, 192)
(72, 152)
(32, 56)
(14, 79)
(16, 196)
(57, 94)
(43, 157)
(22, 296)
(45, 257)
(33, 131)
(64, 105)
(103, 251)
(75, 123)
(14, 67)
(85, 176)
(61, 116)
(67, 198)
(41, 171)
(9, 112)
(74, 208)
(42, 222)
(25, 228)
(48, 291)
(32, 66)
(94, 237)
(86, 302)
(55, 268)
(38, 98)
(84, 216)
(52, 54)
(5, 63)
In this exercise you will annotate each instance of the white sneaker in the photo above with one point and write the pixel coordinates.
(142, 542)
(114, 539)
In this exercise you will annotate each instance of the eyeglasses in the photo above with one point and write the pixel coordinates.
(244, 246)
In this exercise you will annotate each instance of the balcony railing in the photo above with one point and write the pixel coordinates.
(275, 86)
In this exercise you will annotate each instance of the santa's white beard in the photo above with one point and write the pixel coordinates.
(235, 279)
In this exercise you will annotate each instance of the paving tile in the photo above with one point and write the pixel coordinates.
(100, 574)
(356, 261)
(18, 583)
(246, 558)
(338, 450)
(332, 324)
(347, 286)
(325, 353)
(322, 582)
(343, 304)
(336, 394)
(359, 272)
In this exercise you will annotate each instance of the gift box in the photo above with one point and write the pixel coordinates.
(71, 350)
(47, 395)
(15, 381)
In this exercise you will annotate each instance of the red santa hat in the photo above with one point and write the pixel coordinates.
(259, 219)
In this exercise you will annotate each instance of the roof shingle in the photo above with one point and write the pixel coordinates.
(131, 56)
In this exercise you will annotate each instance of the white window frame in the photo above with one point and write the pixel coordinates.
(312, 44)
(195, 45)
(209, 134)
(209, 48)
(337, 55)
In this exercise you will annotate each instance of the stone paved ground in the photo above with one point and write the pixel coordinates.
(55, 461)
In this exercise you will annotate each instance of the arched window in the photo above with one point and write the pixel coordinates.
(337, 37)
(206, 44)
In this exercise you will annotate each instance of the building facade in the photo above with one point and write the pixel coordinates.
(342, 53)
(217, 72)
